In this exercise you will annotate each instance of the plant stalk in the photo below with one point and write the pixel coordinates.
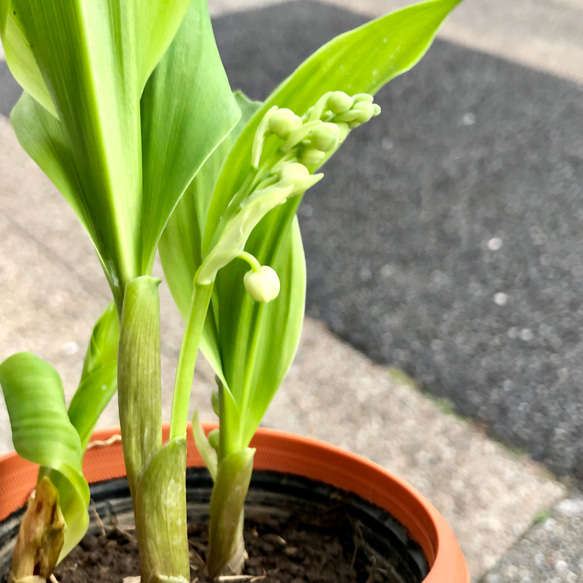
(156, 473)
(139, 376)
(226, 546)
(201, 298)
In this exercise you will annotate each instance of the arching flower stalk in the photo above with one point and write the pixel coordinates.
(276, 174)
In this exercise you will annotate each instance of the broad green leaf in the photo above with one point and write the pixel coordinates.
(181, 242)
(103, 345)
(20, 58)
(98, 381)
(96, 58)
(41, 136)
(87, 53)
(156, 23)
(257, 342)
(182, 124)
(4, 8)
(43, 434)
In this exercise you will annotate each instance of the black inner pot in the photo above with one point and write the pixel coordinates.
(381, 537)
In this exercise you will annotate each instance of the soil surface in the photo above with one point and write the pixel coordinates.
(292, 551)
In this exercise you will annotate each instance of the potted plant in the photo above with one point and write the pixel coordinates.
(127, 109)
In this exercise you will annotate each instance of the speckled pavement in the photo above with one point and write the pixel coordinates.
(550, 551)
(515, 522)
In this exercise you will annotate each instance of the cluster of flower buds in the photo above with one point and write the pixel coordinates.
(343, 109)
(318, 133)
(305, 143)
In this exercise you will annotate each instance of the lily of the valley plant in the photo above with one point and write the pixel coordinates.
(128, 110)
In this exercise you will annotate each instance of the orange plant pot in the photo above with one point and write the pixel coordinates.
(286, 453)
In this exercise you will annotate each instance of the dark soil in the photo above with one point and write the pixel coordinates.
(297, 531)
(288, 551)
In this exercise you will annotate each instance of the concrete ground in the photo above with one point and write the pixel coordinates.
(514, 520)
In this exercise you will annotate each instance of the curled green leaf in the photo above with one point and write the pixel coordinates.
(43, 434)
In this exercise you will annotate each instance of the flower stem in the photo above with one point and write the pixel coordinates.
(250, 259)
(201, 298)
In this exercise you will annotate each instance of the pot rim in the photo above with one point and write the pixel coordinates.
(287, 453)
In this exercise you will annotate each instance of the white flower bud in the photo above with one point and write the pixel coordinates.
(283, 122)
(367, 97)
(325, 137)
(348, 116)
(262, 285)
(297, 175)
(365, 111)
(339, 102)
(293, 170)
(312, 156)
(376, 109)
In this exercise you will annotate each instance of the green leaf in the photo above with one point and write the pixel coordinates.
(156, 23)
(181, 243)
(41, 136)
(87, 53)
(182, 124)
(257, 343)
(43, 434)
(98, 381)
(20, 58)
(96, 59)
